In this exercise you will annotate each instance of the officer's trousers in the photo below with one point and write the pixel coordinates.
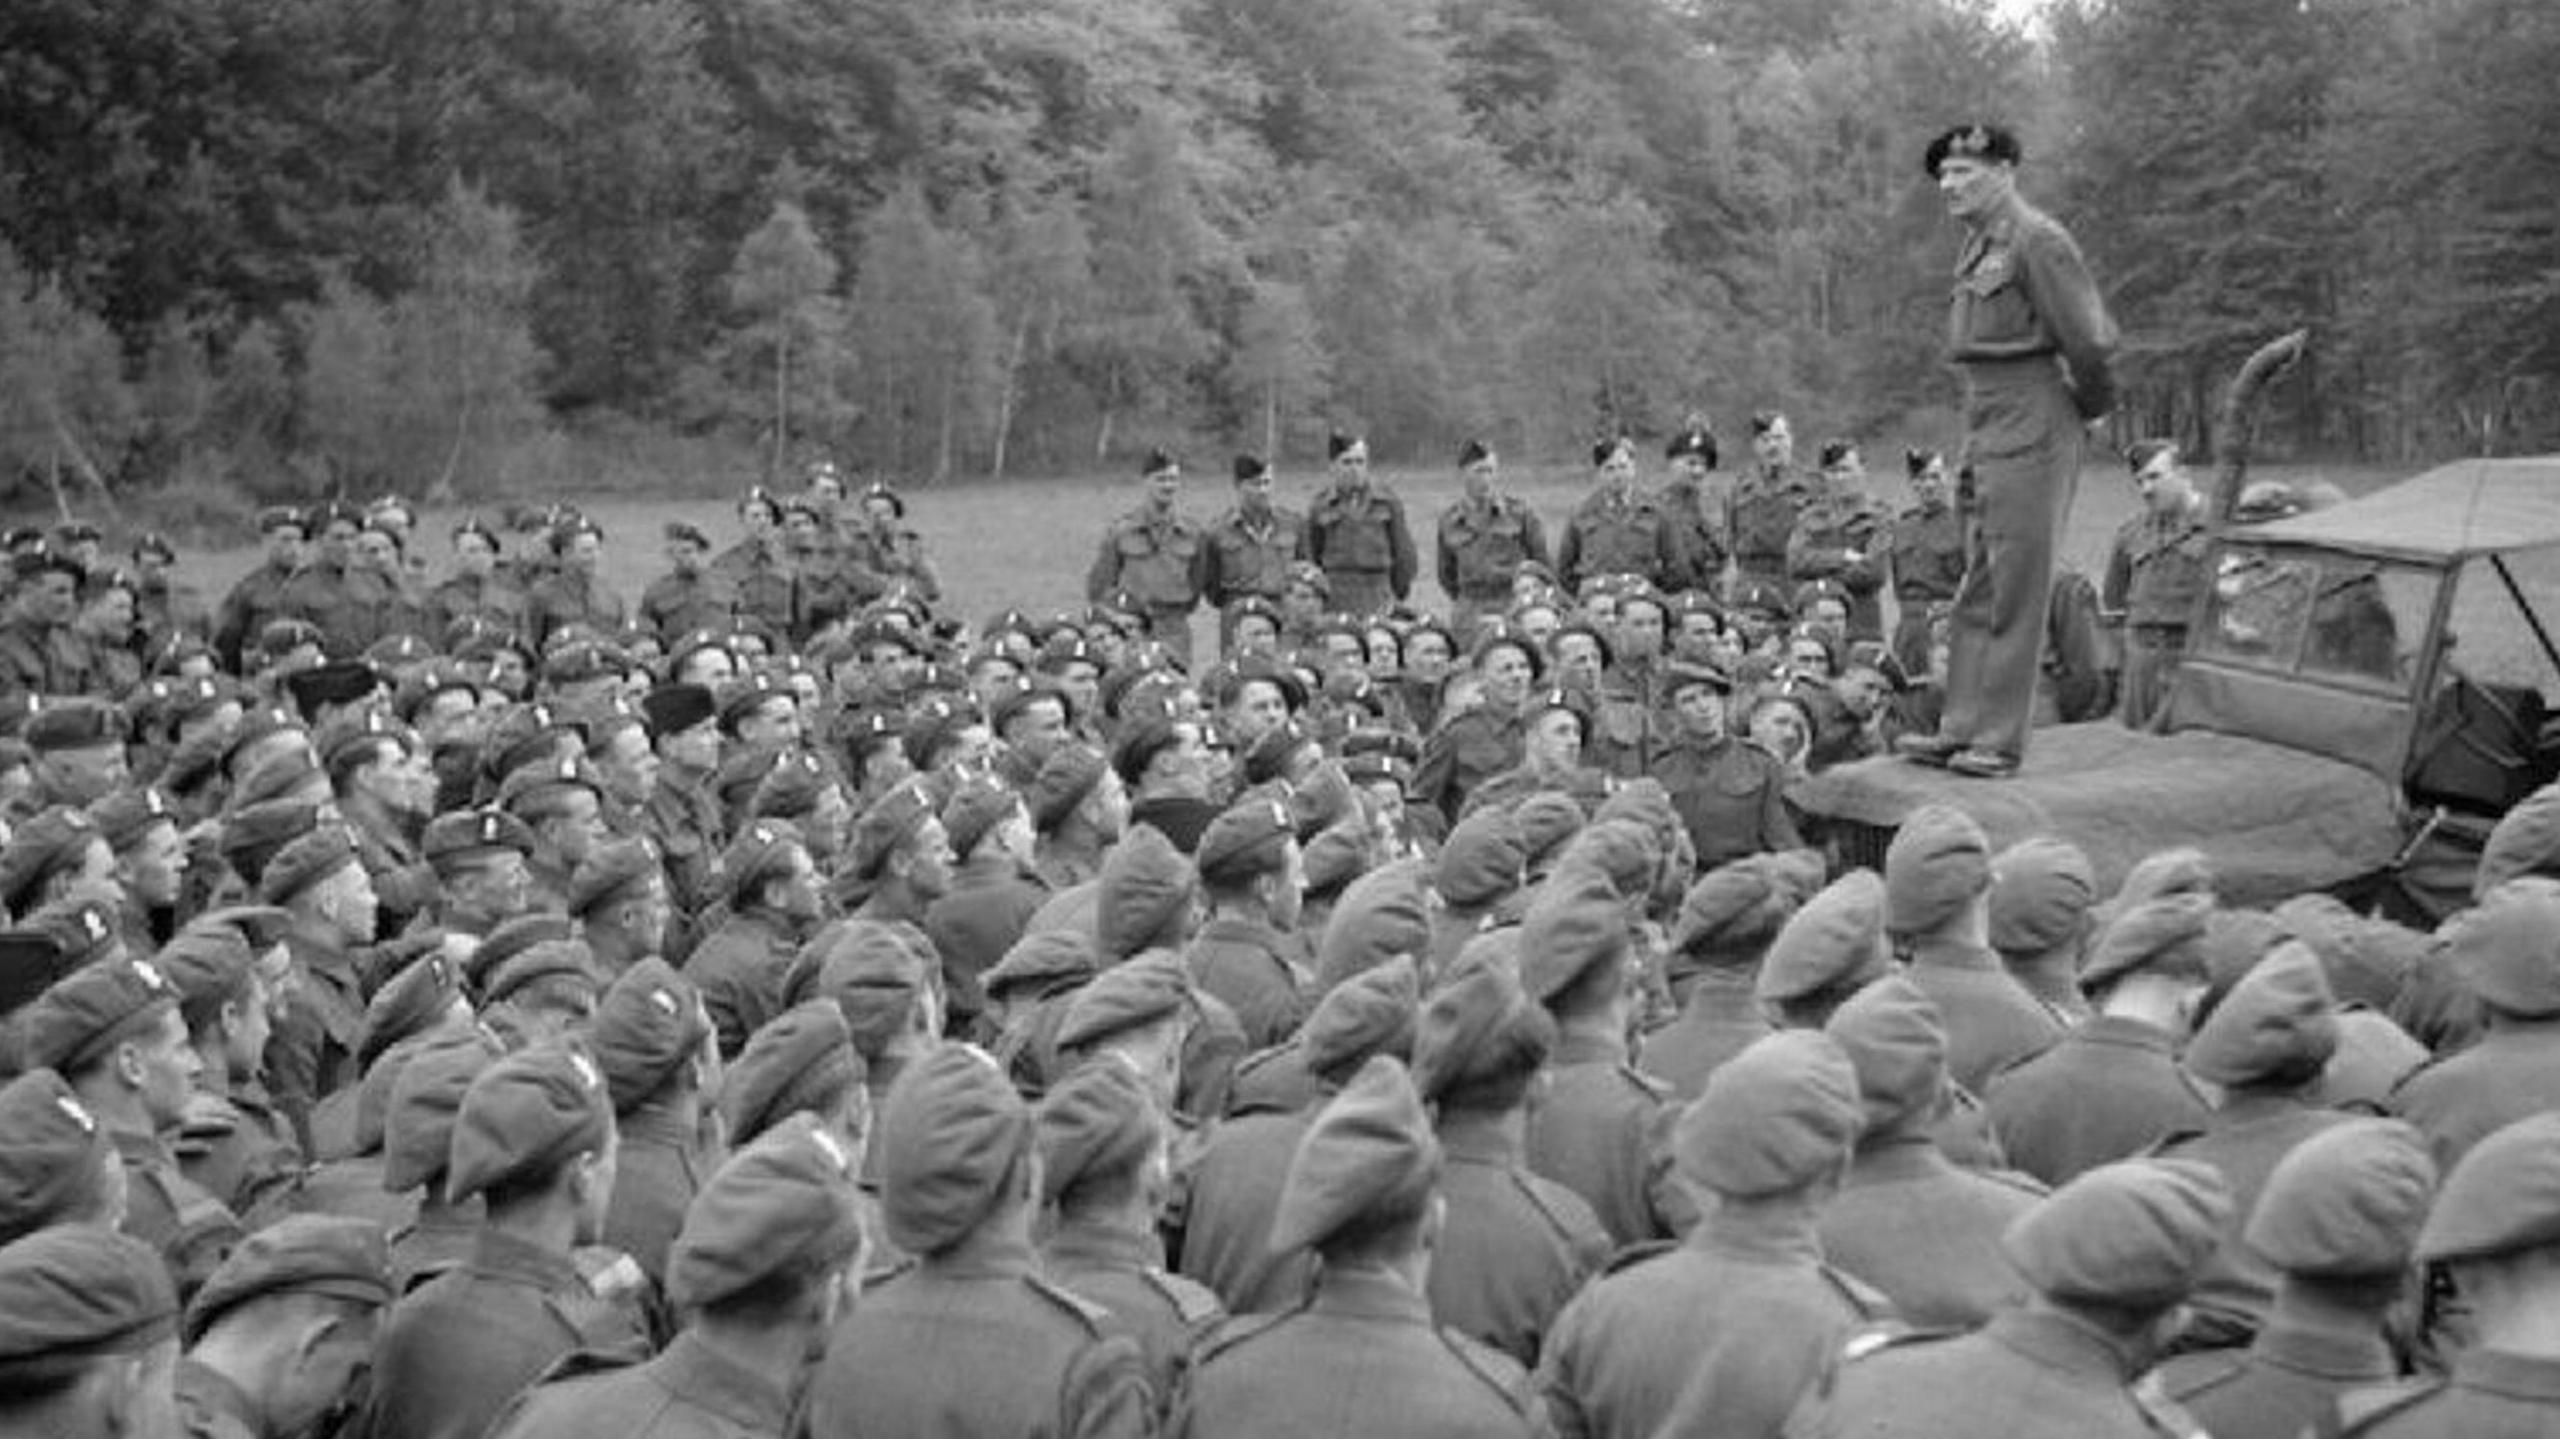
(2022, 438)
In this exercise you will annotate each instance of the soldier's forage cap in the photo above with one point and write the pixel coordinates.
(54, 1155)
(524, 1116)
(126, 815)
(81, 921)
(800, 1059)
(1041, 958)
(1576, 923)
(1478, 1028)
(616, 870)
(2169, 872)
(2279, 1022)
(1146, 886)
(1269, 758)
(205, 962)
(1384, 913)
(2526, 840)
(409, 1004)
(55, 840)
(1148, 989)
(762, 851)
(280, 776)
(648, 1023)
(338, 1258)
(305, 862)
(338, 682)
(1369, 1154)
(513, 937)
(1547, 818)
(1974, 141)
(1251, 467)
(2159, 936)
(468, 834)
(1069, 774)
(1484, 858)
(2042, 890)
(1733, 911)
(1099, 1123)
(526, 785)
(1246, 840)
(1835, 942)
(1772, 1119)
(73, 724)
(2368, 959)
(675, 708)
(975, 808)
(425, 1097)
(784, 1204)
(92, 1009)
(550, 959)
(2506, 949)
(950, 1136)
(1370, 1014)
(2502, 1196)
(1938, 861)
(2346, 1202)
(2132, 1235)
(1897, 1041)
(888, 825)
(77, 1291)
(1336, 857)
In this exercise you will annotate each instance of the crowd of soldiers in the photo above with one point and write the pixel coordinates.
(481, 1007)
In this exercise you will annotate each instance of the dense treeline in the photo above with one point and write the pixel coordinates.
(301, 243)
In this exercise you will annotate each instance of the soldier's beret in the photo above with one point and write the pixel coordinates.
(524, 1116)
(976, 807)
(293, 773)
(563, 959)
(90, 1010)
(1938, 861)
(1384, 913)
(205, 963)
(1622, 851)
(1152, 987)
(1145, 888)
(1139, 742)
(614, 871)
(1156, 463)
(468, 834)
(1484, 859)
(1248, 838)
(305, 862)
(2506, 949)
(1371, 1013)
(2368, 959)
(675, 708)
(425, 1099)
(77, 1291)
(1068, 775)
(1010, 705)
(1547, 818)
(392, 651)
(1974, 141)
(1575, 923)
(762, 851)
(1251, 467)
(1697, 440)
(950, 1135)
(1041, 959)
(1338, 443)
(1897, 1041)
(54, 1156)
(280, 517)
(125, 815)
(2525, 840)
(328, 1255)
(1772, 1119)
(339, 682)
(2161, 936)
(648, 1022)
(2280, 1022)
(279, 638)
(2130, 1235)
(2042, 890)
(73, 724)
(56, 839)
(887, 826)
(798, 1060)
(1603, 451)
(526, 788)
(1733, 912)
(2346, 1202)
(1552, 697)
(2502, 1196)
(1834, 942)
(1480, 1027)
(1097, 1123)
(1335, 857)
(410, 1003)
(81, 922)
(1369, 1155)
(1678, 675)
(253, 836)
(2167, 873)
(748, 693)
(510, 938)
(784, 1204)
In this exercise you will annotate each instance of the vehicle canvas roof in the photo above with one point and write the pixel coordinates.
(2469, 507)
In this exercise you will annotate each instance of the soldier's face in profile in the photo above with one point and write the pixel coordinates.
(1970, 186)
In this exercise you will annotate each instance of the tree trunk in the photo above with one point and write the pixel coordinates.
(1271, 423)
(781, 400)
(1007, 392)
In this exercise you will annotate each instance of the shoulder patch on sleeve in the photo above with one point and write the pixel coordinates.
(1868, 1300)
(1190, 1299)
(2191, 1374)
(1637, 1253)
(1093, 1316)
(1500, 1372)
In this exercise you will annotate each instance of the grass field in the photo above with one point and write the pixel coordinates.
(1028, 543)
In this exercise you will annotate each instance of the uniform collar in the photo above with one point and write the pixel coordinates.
(496, 1254)
(1366, 1292)
(2322, 1352)
(203, 1389)
(1478, 1136)
(1093, 1244)
(1893, 1157)
(2058, 1341)
(2117, 1030)
(1940, 952)
(1580, 1044)
(1755, 1236)
(708, 1379)
(2518, 1376)
(984, 1255)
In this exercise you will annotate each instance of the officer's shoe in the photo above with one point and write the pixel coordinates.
(1927, 748)
(1983, 764)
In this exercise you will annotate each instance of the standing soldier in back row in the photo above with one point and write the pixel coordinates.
(1483, 540)
(1617, 531)
(1925, 553)
(1153, 554)
(2155, 574)
(1697, 517)
(1760, 514)
(1356, 531)
(1250, 548)
(1839, 538)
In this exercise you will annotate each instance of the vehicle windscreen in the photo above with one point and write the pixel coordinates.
(2336, 618)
